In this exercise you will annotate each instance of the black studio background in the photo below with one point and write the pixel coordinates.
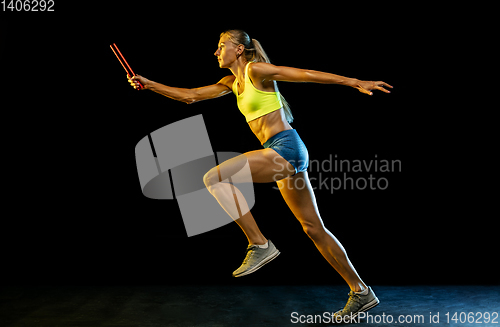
(76, 212)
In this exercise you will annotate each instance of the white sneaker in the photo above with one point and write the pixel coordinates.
(256, 258)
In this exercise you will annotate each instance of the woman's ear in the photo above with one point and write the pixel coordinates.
(239, 50)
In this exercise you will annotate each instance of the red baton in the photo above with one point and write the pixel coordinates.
(122, 60)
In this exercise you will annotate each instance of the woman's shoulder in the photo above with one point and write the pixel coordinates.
(257, 70)
(227, 81)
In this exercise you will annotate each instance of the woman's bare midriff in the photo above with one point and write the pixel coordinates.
(269, 125)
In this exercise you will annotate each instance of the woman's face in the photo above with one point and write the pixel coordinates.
(226, 52)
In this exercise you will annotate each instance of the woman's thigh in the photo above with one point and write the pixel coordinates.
(265, 166)
(299, 196)
(268, 166)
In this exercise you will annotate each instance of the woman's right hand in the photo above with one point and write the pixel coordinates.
(134, 81)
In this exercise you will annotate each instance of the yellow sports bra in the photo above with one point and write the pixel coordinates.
(255, 103)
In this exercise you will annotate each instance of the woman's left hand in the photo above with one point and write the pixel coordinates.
(367, 86)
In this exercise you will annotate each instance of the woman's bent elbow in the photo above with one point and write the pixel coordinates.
(189, 101)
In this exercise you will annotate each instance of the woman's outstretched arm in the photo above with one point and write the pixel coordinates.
(188, 96)
(266, 72)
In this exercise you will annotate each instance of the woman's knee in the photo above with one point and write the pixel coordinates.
(211, 178)
(315, 231)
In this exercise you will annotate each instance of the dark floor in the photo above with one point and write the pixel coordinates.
(238, 305)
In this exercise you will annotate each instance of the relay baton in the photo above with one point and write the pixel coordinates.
(124, 63)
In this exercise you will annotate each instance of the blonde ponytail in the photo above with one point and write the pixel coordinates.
(255, 53)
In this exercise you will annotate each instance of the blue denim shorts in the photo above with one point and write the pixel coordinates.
(289, 145)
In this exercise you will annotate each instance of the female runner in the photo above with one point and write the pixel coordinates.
(284, 158)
